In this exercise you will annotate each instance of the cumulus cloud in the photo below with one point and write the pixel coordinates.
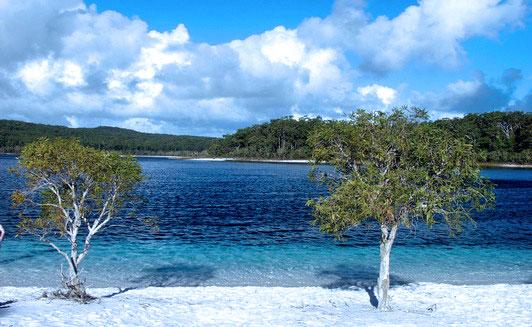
(477, 95)
(385, 94)
(39, 75)
(524, 104)
(78, 66)
(432, 31)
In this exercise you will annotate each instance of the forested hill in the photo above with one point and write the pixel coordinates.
(15, 134)
(503, 137)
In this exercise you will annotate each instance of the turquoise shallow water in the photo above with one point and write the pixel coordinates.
(246, 224)
(164, 263)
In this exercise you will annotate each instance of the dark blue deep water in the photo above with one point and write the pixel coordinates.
(229, 223)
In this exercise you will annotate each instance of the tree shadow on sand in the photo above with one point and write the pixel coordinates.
(120, 291)
(169, 276)
(360, 277)
(175, 275)
(4, 307)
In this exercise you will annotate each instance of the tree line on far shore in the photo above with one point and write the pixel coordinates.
(499, 137)
(15, 134)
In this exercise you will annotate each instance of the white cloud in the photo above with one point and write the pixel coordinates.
(155, 57)
(38, 75)
(76, 64)
(282, 46)
(385, 94)
(432, 31)
(71, 74)
(322, 68)
(464, 87)
(176, 37)
(72, 121)
(147, 93)
(474, 95)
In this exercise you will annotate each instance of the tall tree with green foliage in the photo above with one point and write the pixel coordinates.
(72, 192)
(394, 169)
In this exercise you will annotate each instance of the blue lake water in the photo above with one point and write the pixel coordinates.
(235, 224)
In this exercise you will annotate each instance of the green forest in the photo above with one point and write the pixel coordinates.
(501, 137)
(15, 134)
(284, 138)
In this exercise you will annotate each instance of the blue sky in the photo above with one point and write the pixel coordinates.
(239, 18)
(218, 21)
(208, 67)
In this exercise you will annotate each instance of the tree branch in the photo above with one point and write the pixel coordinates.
(56, 248)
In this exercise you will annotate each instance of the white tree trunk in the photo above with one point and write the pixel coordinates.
(2, 233)
(73, 273)
(74, 281)
(383, 283)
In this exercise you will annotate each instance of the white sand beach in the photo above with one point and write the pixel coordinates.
(425, 304)
(285, 161)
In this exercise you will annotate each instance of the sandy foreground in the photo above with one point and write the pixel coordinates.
(424, 304)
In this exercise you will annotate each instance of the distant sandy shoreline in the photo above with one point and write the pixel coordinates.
(505, 165)
(308, 161)
(291, 161)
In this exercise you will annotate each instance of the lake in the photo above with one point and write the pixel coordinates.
(236, 224)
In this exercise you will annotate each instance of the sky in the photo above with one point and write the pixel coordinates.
(209, 67)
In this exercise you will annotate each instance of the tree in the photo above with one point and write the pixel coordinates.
(394, 169)
(77, 191)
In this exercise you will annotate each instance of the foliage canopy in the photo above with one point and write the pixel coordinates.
(395, 168)
(63, 176)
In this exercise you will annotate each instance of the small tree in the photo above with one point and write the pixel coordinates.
(77, 191)
(394, 169)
